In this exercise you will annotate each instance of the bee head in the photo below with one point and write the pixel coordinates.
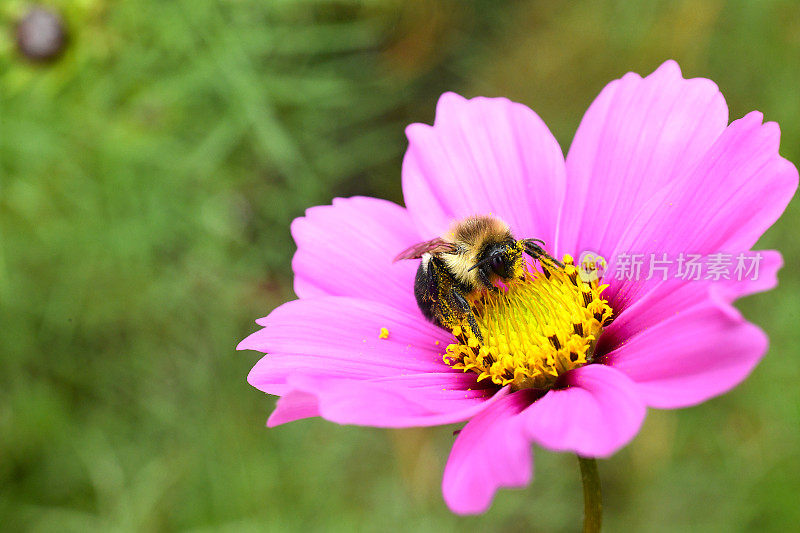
(501, 259)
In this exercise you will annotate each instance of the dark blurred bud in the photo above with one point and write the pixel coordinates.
(40, 34)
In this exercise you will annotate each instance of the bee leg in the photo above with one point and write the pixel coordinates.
(484, 278)
(537, 252)
(463, 305)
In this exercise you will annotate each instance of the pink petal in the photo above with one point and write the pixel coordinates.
(697, 354)
(325, 355)
(346, 249)
(339, 336)
(737, 191)
(483, 156)
(767, 278)
(490, 452)
(673, 296)
(402, 401)
(598, 413)
(295, 405)
(637, 136)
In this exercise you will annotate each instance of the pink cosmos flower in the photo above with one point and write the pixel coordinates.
(654, 168)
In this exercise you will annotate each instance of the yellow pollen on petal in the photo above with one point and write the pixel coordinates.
(384, 334)
(539, 328)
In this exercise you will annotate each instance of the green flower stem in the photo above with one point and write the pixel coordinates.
(592, 495)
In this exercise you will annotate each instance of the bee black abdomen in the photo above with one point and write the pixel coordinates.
(440, 297)
(425, 287)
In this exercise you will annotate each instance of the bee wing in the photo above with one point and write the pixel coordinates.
(433, 246)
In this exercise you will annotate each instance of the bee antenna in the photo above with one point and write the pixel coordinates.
(479, 263)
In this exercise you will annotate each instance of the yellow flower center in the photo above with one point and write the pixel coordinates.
(537, 329)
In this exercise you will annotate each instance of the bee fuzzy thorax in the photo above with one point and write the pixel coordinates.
(460, 264)
(473, 236)
(475, 230)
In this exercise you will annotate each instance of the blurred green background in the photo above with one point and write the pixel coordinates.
(147, 181)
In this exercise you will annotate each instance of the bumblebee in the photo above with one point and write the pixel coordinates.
(456, 269)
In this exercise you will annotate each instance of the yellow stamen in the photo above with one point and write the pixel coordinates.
(539, 328)
(384, 334)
